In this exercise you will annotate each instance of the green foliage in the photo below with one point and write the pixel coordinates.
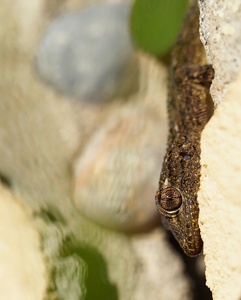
(155, 23)
(98, 283)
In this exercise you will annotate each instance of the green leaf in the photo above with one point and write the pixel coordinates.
(155, 23)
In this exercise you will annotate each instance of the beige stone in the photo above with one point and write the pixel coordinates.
(220, 206)
(220, 33)
(22, 267)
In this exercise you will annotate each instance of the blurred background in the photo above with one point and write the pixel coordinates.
(83, 131)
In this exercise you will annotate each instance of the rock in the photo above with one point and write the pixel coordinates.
(155, 280)
(23, 271)
(70, 277)
(220, 29)
(88, 54)
(220, 206)
(219, 195)
(117, 174)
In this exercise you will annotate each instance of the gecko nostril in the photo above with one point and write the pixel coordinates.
(184, 155)
(188, 225)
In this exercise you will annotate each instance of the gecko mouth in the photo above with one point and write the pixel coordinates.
(193, 246)
(184, 227)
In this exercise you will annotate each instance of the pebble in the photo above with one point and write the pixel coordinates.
(88, 54)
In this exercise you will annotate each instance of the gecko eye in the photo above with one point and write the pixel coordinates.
(170, 199)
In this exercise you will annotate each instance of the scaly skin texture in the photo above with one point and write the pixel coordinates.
(189, 108)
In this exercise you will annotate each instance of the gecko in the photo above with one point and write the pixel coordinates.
(189, 109)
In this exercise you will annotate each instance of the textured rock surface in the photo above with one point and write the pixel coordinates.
(221, 36)
(220, 206)
(219, 199)
(88, 53)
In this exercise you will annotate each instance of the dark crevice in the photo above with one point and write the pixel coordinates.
(51, 215)
(192, 269)
(4, 180)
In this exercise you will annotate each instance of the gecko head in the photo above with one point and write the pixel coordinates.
(181, 215)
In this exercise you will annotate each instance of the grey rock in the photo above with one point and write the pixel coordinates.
(88, 54)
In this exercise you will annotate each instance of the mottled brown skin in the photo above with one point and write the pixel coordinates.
(189, 108)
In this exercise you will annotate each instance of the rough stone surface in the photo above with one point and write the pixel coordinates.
(220, 32)
(220, 206)
(88, 53)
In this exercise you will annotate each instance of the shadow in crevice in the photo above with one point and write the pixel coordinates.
(193, 270)
(4, 180)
